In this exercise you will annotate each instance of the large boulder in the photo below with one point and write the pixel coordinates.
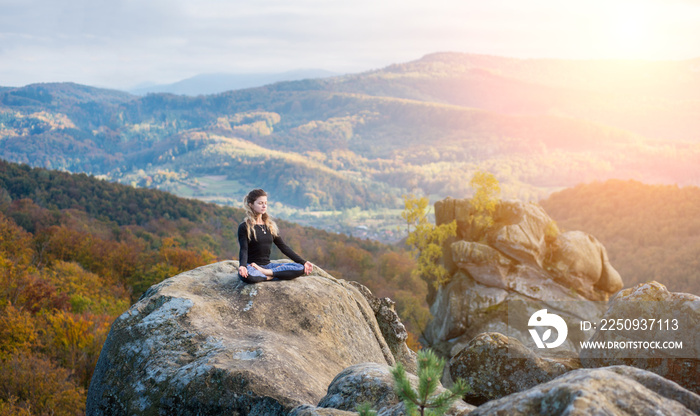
(676, 319)
(361, 383)
(392, 328)
(491, 268)
(203, 342)
(503, 274)
(616, 390)
(520, 231)
(581, 262)
(484, 264)
(523, 234)
(465, 308)
(495, 366)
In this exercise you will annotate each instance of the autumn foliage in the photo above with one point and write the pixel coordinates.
(651, 232)
(76, 252)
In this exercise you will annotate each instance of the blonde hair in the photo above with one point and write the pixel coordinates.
(250, 215)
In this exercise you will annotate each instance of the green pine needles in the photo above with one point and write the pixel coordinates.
(425, 401)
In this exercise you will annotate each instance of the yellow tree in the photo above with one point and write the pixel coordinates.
(426, 240)
(487, 191)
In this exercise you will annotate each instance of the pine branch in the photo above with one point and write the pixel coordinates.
(424, 400)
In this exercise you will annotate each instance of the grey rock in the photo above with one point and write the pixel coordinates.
(392, 328)
(484, 263)
(520, 231)
(203, 342)
(503, 274)
(495, 366)
(653, 300)
(361, 383)
(580, 261)
(465, 308)
(524, 235)
(491, 268)
(605, 391)
(458, 311)
(660, 385)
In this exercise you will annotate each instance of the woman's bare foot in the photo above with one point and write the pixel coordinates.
(266, 272)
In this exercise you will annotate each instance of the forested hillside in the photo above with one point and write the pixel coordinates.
(364, 140)
(651, 232)
(76, 252)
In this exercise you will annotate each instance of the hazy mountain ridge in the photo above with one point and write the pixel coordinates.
(354, 140)
(204, 84)
(653, 98)
(59, 96)
(593, 75)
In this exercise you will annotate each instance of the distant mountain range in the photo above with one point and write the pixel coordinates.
(205, 84)
(363, 140)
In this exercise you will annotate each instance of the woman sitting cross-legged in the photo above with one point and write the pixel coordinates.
(255, 237)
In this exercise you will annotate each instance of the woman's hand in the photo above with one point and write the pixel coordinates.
(243, 271)
(308, 267)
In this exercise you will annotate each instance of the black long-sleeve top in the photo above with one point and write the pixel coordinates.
(257, 250)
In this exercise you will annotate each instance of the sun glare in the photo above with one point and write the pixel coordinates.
(631, 32)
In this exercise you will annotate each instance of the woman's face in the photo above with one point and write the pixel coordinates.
(260, 205)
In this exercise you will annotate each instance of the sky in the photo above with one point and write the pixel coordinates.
(124, 43)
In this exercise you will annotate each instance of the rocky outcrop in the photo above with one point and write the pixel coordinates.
(676, 319)
(495, 366)
(524, 234)
(465, 308)
(520, 232)
(580, 261)
(618, 390)
(373, 383)
(504, 273)
(521, 267)
(203, 342)
(392, 328)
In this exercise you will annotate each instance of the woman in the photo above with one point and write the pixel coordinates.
(255, 237)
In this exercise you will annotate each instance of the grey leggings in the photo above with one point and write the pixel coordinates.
(281, 271)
